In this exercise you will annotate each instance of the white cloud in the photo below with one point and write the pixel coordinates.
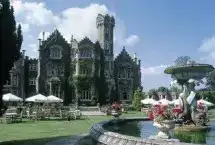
(153, 70)
(34, 13)
(132, 40)
(33, 47)
(208, 45)
(207, 49)
(76, 21)
(81, 22)
(25, 27)
(29, 36)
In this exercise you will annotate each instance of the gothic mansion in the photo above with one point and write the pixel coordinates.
(60, 61)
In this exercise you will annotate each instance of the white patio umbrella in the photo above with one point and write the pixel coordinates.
(149, 101)
(37, 98)
(164, 102)
(11, 98)
(204, 102)
(54, 99)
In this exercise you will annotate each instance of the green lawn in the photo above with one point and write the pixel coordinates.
(41, 132)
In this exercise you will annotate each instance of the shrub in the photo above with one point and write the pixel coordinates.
(137, 100)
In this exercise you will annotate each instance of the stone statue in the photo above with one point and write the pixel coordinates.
(189, 113)
(185, 115)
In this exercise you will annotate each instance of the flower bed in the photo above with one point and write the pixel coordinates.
(159, 113)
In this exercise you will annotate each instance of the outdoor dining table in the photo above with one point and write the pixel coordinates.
(11, 117)
(73, 113)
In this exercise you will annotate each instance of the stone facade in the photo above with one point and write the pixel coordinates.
(127, 75)
(60, 61)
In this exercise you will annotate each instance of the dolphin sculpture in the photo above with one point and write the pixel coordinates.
(186, 114)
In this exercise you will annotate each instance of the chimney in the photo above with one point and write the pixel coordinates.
(72, 38)
(43, 36)
(139, 62)
(135, 55)
(40, 42)
(23, 53)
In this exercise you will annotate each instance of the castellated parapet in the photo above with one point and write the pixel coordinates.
(33, 60)
(104, 19)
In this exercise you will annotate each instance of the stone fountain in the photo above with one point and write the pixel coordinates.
(188, 74)
(137, 131)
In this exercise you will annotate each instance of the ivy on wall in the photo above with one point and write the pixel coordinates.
(98, 78)
(83, 81)
(102, 85)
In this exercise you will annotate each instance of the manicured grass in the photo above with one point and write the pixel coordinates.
(41, 132)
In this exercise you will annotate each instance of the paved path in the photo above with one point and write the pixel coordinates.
(92, 113)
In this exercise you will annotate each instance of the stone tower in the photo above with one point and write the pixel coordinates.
(105, 26)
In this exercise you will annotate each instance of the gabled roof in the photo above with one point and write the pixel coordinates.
(124, 56)
(54, 37)
(85, 41)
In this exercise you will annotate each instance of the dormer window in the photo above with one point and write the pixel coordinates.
(55, 52)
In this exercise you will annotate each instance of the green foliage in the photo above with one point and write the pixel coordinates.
(182, 60)
(163, 89)
(211, 80)
(82, 81)
(8, 44)
(137, 100)
(102, 85)
(152, 91)
(144, 95)
(175, 89)
(19, 37)
(207, 95)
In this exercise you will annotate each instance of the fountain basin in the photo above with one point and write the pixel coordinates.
(191, 128)
(103, 136)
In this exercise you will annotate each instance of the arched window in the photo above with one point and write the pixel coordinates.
(86, 95)
(124, 96)
(106, 45)
(55, 52)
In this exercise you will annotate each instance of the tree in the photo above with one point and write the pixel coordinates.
(101, 84)
(19, 40)
(175, 89)
(182, 60)
(211, 80)
(152, 92)
(144, 95)
(137, 100)
(8, 42)
(163, 89)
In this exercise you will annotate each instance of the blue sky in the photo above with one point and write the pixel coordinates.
(158, 31)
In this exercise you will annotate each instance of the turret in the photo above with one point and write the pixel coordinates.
(105, 25)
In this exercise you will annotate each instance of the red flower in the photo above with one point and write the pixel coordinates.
(116, 106)
(151, 115)
(176, 110)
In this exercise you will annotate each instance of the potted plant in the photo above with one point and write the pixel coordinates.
(163, 119)
(116, 109)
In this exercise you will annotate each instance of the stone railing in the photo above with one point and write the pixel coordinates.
(101, 136)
